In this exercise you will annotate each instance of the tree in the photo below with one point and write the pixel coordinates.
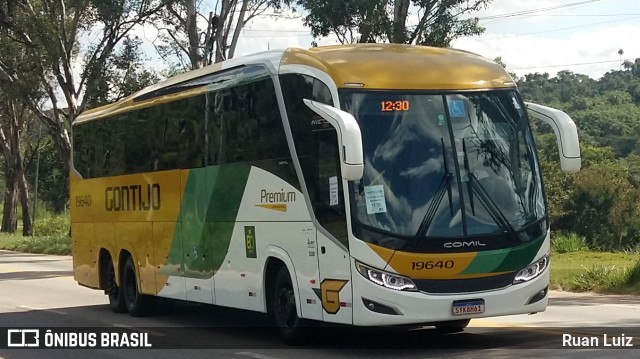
(194, 37)
(12, 125)
(47, 34)
(437, 22)
(14, 120)
(122, 74)
(621, 52)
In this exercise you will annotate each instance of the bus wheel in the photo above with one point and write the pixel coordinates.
(282, 308)
(452, 326)
(116, 299)
(137, 304)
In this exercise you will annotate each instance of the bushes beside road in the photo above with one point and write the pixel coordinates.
(54, 244)
(574, 267)
(51, 237)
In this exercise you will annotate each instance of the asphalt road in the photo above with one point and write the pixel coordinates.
(38, 291)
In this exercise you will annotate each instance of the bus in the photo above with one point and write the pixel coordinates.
(369, 185)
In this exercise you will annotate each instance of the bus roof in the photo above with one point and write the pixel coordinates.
(366, 66)
(402, 67)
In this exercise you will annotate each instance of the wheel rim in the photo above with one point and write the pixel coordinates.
(286, 307)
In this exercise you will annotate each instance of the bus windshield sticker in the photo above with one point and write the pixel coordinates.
(334, 199)
(456, 108)
(376, 202)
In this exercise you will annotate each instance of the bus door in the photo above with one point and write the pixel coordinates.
(326, 192)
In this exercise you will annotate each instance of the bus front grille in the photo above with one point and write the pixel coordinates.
(470, 285)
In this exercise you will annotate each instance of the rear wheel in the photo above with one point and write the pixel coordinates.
(453, 326)
(116, 299)
(137, 304)
(282, 308)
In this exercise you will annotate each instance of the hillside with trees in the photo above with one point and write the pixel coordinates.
(602, 202)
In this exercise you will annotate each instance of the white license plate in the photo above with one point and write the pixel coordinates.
(468, 307)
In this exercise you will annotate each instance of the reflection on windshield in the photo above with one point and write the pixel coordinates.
(445, 166)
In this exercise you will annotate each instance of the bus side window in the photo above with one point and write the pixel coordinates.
(329, 209)
(317, 148)
(191, 133)
(214, 129)
(245, 125)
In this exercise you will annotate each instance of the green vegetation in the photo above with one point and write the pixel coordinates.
(51, 236)
(54, 244)
(568, 243)
(602, 272)
(601, 203)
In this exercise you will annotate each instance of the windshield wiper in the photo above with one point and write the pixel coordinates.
(485, 198)
(445, 184)
(469, 184)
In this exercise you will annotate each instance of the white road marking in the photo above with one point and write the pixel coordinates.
(45, 309)
(256, 355)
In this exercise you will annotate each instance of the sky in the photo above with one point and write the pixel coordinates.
(582, 36)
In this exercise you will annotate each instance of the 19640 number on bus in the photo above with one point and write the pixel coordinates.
(432, 265)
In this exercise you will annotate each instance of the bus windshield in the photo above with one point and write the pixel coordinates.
(445, 164)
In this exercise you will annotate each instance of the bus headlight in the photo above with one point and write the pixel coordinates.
(385, 279)
(533, 270)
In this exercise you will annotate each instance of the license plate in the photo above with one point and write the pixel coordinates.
(463, 307)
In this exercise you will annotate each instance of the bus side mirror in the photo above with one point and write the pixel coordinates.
(566, 134)
(349, 138)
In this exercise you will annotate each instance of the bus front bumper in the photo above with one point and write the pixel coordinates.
(374, 305)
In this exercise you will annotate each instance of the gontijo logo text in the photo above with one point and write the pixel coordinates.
(132, 198)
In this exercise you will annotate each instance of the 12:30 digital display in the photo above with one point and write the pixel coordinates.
(392, 106)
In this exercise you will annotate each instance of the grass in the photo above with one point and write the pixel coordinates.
(601, 272)
(567, 243)
(52, 244)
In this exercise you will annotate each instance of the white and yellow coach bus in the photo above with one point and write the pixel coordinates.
(362, 184)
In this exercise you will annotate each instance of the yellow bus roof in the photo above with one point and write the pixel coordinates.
(366, 66)
(407, 67)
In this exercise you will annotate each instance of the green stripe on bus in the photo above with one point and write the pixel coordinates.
(223, 209)
(505, 260)
(197, 251)
(208, 212)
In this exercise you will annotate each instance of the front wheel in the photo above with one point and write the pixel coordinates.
(453, 326)
(137, 304)
(282, 308)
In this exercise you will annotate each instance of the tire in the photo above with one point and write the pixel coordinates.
(282, 309)
(116, 299)
(453, 326)
(137, 304)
